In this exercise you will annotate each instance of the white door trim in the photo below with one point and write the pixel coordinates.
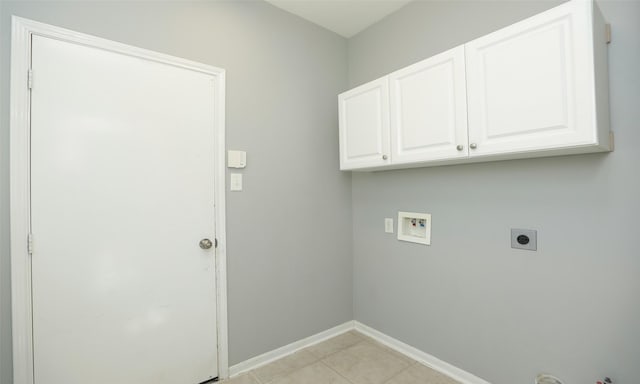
(22, 30)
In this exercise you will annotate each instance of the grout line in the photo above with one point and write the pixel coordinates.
(290, 371)
(254, 377)
(338, 373)
(322, 360)
(397, 374)
(361, 339)
(368, 340)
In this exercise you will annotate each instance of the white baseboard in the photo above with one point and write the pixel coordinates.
(452, 371)
(430, 361)
(281, 352)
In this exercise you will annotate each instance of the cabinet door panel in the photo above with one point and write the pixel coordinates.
(364, 125)
(530, 85)
(428, 109)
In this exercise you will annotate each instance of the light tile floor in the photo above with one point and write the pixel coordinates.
(350, 358)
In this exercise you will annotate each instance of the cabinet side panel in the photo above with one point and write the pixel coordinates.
(601, 77)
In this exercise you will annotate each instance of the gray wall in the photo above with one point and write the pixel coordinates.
(572, 307)
(289, 232)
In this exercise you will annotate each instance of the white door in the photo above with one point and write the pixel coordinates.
(429, 109)
(122, 166)
(364, 125)
(530, 85)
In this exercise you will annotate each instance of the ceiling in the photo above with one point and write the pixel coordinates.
(344, 17)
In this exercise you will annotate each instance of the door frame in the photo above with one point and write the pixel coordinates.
(20, 111)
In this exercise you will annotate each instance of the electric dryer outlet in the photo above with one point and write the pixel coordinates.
(524, 239)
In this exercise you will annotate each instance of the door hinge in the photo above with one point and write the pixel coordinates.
(30, 243)
(607, 31)
(215, 243)
(30, 78)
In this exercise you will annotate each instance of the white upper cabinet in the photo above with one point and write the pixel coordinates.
(531, 86)
(536, 88)
(364, 125)
(428, 109)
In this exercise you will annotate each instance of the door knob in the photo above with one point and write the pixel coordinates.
(206, 244)
(460, 147)
(473, 145)
(385, 157)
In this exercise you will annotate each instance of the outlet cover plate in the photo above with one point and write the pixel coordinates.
(519, 236)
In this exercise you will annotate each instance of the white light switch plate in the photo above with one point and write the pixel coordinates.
(388, 225)
(236, 182)
(236, 159)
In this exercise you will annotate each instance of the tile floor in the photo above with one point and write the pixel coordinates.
(350, 358)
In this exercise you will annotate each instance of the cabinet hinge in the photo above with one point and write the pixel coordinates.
(30, 78)
(30, 243)
(607, 33)
(215, 243)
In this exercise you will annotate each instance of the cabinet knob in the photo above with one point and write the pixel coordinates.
(460, 147)
(385, 157)
(473, 145)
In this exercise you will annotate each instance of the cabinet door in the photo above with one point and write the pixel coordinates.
(364, 125)
(429, 109)
(530, 86)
